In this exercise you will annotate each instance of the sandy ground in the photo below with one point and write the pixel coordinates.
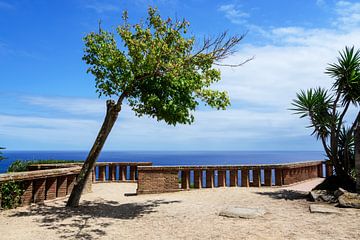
(108, 214)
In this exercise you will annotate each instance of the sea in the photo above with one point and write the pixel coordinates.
(170, 158)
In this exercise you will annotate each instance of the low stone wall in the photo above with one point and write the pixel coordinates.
(158, 180)
(161, 179)
(41, 185)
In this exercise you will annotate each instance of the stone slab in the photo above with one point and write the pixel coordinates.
(325, 209)
(241, 212)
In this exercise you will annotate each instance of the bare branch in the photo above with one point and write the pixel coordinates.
(235, 65)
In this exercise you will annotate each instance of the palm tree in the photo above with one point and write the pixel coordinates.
(326, 110)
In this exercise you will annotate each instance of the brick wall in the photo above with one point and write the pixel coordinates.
(157, 181)
(41, 185)
(294, 175)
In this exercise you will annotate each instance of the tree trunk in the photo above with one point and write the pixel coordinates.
(112, 112)
(357, 154)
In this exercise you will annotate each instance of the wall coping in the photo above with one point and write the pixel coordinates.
(124, 163)
(231, 167)
(37, 174)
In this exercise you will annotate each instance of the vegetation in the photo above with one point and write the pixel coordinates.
(1, 154)
(11, 193)
(327, 109)
(21, 166)
(157, 70)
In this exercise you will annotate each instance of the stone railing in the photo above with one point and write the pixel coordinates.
(49, 181)
(41, 185)
(103, 171)
(160, 179)
(117, 171)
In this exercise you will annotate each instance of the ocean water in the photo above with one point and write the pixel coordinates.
(170, 157)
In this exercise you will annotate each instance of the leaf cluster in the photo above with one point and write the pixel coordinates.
(156, 67)
(11, 193)
(317, 105)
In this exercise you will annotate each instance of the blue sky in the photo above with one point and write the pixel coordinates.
(48, 102)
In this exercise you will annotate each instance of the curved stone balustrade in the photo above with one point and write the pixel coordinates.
(159, 179)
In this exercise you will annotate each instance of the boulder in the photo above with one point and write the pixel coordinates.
(339, 192)
(322, 196)
(240, 212)
(351, 200)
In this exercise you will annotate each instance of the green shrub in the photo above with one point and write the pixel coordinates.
(11, 193)
(22, 166)
(18, 166)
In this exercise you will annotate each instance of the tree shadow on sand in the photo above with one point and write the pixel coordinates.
(74, 222)
(286, 194)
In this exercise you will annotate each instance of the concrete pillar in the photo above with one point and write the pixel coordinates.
(122, 173)
(222, 178)
(233, 178)
(50, 188)
(102, 173)
(39, 190)
(278, 177)
(132, 172)
(267, 176)
(27, 196)
(70, 183)
(256, 178)
(209, 178)
(198, 179)
(245, 177)
(112, 172)
(93, 176)
(320, 171)
(61, 186)
(185, 179)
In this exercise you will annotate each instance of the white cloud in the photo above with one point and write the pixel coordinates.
(76, 106)
(102, 6)
(349, 14)
(321, 3)
(295, 60)
(41, 132)
(234, 14)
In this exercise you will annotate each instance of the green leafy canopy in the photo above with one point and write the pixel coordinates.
(157, 68)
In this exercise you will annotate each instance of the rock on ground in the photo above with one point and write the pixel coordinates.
(348, 199)
(327, 209)
(240, 212)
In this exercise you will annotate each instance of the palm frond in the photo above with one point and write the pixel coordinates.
(346, 73)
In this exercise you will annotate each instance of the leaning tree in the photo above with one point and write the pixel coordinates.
(327, 110)
(157, 70)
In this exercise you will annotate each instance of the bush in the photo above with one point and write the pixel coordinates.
(11, 193)
(18, 166)
(22, 166)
